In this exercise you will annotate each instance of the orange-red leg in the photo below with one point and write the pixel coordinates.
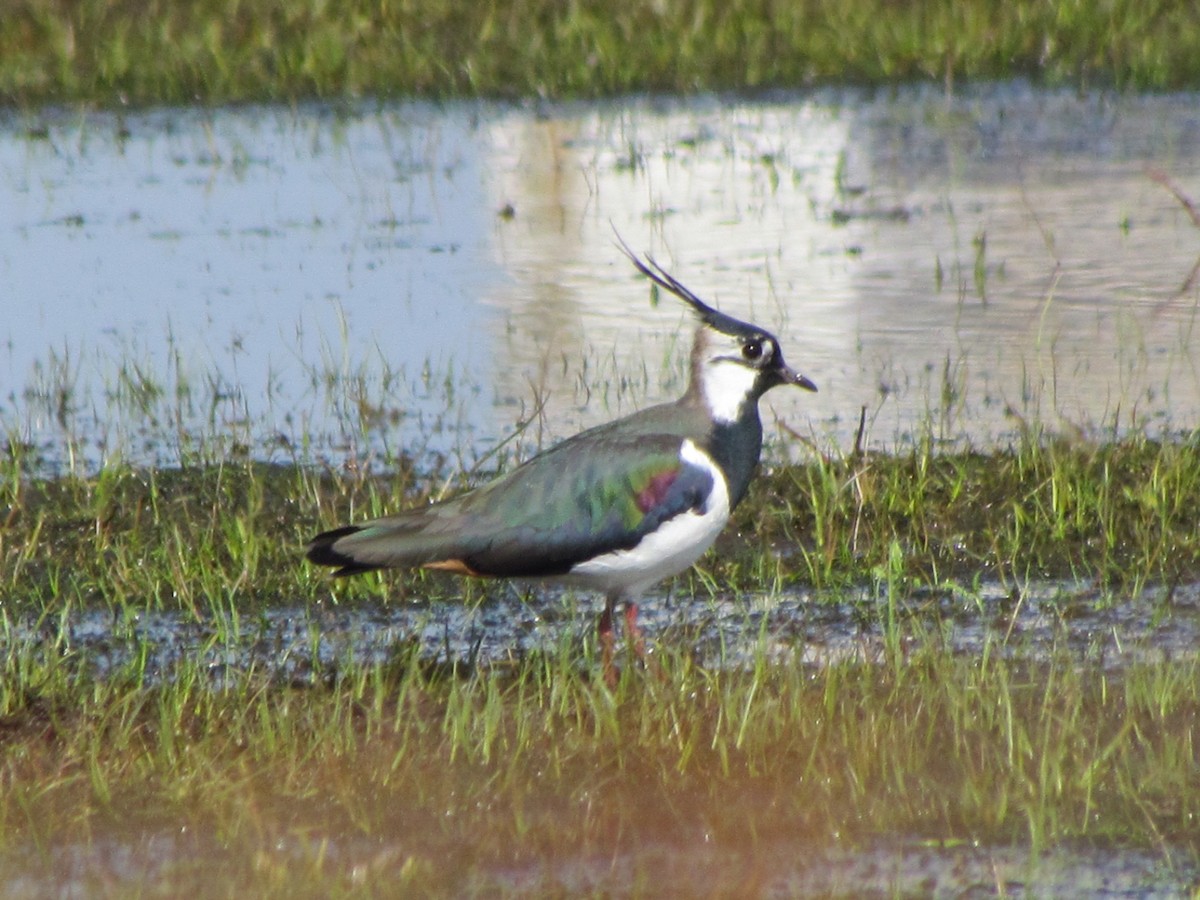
(633, 634)
(604, 631)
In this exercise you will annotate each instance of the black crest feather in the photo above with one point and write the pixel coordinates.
(668, 282)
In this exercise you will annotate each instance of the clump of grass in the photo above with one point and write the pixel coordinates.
(1119, 512)
(217, 51)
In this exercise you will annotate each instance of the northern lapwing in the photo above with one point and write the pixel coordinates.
(615, 508)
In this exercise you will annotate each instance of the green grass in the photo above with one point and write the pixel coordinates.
(1120, 513)
(220, 51)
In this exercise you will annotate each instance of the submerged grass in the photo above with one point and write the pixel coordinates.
(218, 51)
(397, 773)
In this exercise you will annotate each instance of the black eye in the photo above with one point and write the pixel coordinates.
(752, 350)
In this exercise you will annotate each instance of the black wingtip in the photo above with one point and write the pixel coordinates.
(320, 551)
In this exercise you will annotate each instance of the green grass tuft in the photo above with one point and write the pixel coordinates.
(221, 51)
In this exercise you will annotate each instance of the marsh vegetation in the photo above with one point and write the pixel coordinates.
(954, 651)
(465, 767)
(221, 51)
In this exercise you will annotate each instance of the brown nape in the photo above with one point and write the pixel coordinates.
(696, 362)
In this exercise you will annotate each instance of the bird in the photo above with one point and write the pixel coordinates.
(614, 509)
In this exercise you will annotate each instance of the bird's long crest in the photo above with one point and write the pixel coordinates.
(664, 279)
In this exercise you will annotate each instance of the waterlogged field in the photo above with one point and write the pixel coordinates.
(416, 281)
(948, 646)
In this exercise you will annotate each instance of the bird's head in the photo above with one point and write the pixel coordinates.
(733, 362)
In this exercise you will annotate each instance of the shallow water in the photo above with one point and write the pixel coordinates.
(778, 868)
(416, 278)
(299, 645)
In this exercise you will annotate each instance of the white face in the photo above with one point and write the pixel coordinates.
(730, 370)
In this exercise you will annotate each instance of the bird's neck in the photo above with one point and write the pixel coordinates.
(735, 447)
(723, 395)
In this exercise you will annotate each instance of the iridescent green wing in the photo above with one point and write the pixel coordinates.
(572, 504)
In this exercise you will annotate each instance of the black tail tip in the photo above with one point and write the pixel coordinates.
(321, 551)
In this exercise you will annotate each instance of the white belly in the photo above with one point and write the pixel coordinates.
(677, 543)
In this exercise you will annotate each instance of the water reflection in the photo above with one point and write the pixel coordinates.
(421, 278)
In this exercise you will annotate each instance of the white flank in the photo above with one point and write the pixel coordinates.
(727, 385)
(676, 544)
